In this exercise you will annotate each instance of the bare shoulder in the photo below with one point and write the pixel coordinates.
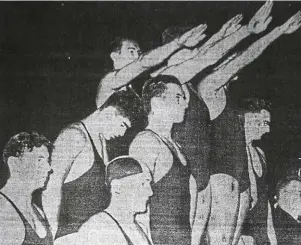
(101, 229)
(72, 133)
(12, 229)
(146, 139)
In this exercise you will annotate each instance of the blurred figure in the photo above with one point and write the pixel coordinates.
(287, 215)
(130, 189)
(258, 226)
(27, 157)
(77, 190)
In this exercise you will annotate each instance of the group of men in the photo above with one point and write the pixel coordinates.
(188, 175)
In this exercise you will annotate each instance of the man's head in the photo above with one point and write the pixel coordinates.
(27, 157)
(124, 51)
(163, 97)
(129, 182)
(119, 112)
(289, 194)
(257, 118)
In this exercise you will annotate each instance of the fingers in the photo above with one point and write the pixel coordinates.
(265, 10)
(236, 19)
(268, 21)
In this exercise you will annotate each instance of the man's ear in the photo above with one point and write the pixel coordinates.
(115, 186)
(113, 55)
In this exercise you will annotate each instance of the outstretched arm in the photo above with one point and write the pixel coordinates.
(229, 69)
(116, 80)
(219, 44)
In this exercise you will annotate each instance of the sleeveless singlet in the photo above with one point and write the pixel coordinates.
(170, 204)
(129, 242)
(31, 236)
(193, 134)
(255, 223)
(84, 196)
(228, 147)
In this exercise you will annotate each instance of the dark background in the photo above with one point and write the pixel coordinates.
(53, 55)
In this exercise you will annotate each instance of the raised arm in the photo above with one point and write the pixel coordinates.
(66, 148)
(116, 80)
(219, 44)
(229, 69)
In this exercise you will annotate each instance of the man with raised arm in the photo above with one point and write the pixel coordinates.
(194, 133)
(128, 63)
(229, 177)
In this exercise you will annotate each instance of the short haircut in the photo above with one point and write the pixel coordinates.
(255, 105)
(128, 104)
(155, 87)
(122, 167)
(17, 144)
(117, 42)
(174, 32)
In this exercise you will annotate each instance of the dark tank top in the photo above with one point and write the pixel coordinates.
(228, 147)
(193, 134)
(84, 196)
(255, 223)
(31, 236)
(170, 204)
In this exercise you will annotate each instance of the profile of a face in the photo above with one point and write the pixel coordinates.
(35, 168)
(172, 103)
(257, 124)
(129, 52)
(115, 124)
(135, 190)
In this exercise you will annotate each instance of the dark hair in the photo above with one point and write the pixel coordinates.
(128, 104)
(116, 44)
(19, 143)
(155, 87)
(174, 32)
(255, 105)
(122, 167)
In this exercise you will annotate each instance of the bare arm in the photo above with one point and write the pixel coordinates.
(68, 146)
(219, 44)
(228, 70)
(124, 76)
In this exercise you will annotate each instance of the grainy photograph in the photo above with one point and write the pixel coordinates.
(150, 123)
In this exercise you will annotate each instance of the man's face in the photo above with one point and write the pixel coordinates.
(257, 124)
(116, 125)
(36, 166)
(129, 52)
(174, 103)
(138, 190)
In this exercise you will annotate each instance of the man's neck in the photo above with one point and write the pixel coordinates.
(124, 217)
(17, 191)
(289, 211)
(160, 127)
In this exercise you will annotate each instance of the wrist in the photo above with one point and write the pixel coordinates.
(176, 45)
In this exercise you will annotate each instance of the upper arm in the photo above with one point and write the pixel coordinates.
(145, 148)
(67, 147)
(105, 89)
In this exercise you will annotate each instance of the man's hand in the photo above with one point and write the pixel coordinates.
(192, 37)
(231, 26)
(292, 24)
(261, 19)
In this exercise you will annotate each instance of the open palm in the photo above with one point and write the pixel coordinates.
(192, 37)
(261, 19)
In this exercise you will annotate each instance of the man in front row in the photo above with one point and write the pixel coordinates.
(286, 217)
(168, 218)
(129, 183)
